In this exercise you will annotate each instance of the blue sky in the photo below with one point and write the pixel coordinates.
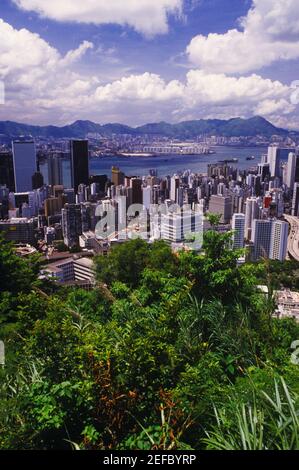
(202, 58)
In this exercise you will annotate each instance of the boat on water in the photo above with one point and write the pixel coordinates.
(230, 160)
(250, 158)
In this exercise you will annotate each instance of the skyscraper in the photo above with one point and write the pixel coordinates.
(251, 213)
(79, 163)
(118, 177)
(24, 159)
(238, 226)
(270, 239)
(279, 240)
(274, 160)
(264, 171)
(136, 185)
(174, 185)
(71, 224)
(261, 238)
(275, 156)
(292, 170)
(147, 197)
(295, 202)
(6, 170)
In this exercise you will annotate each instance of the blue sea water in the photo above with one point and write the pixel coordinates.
(170, 164)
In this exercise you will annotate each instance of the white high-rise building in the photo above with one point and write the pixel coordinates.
(251, 213)
(238, 226)
(174, 185)
(291, 170)
(270, 239)
(24, 160)
(279, 240)
(274, 161)
(147, 197)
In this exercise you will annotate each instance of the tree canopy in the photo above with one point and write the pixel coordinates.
(169, 351)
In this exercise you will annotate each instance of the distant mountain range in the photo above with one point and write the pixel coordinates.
(236, 127)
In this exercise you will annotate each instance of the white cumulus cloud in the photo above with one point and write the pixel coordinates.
(44, 86)
(268, 33)
(149, 17)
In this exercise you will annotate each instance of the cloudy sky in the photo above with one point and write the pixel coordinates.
(138, 61)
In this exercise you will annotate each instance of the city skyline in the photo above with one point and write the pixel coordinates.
(149, 229)
(171, 60)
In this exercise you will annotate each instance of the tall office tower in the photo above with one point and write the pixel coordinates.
(180, 196)
(71, 224)
(79, 163)
(275, 156)
(174, 185)
(295, 202)
(279, 240)
(37, 180)
(292, 170)
(274, 161)
(261, 238)
(6, 170)
(251, 213)
(221, 205)
(284, 173)
(54, 161)
(88, 215)
(118, 177)
(264, 171)
(56, 169)
(24, 159)
(238, 226)
(136, 185)
(147, 197)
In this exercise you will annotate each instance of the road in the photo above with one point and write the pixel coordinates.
(293, 240)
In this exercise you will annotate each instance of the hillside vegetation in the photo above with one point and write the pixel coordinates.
(167, 352)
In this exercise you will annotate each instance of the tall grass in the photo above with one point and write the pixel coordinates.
(269, 423)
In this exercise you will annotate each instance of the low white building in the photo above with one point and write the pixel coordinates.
(70, 270)
(287, 304)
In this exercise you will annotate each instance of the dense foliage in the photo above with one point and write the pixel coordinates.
(168, 351)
